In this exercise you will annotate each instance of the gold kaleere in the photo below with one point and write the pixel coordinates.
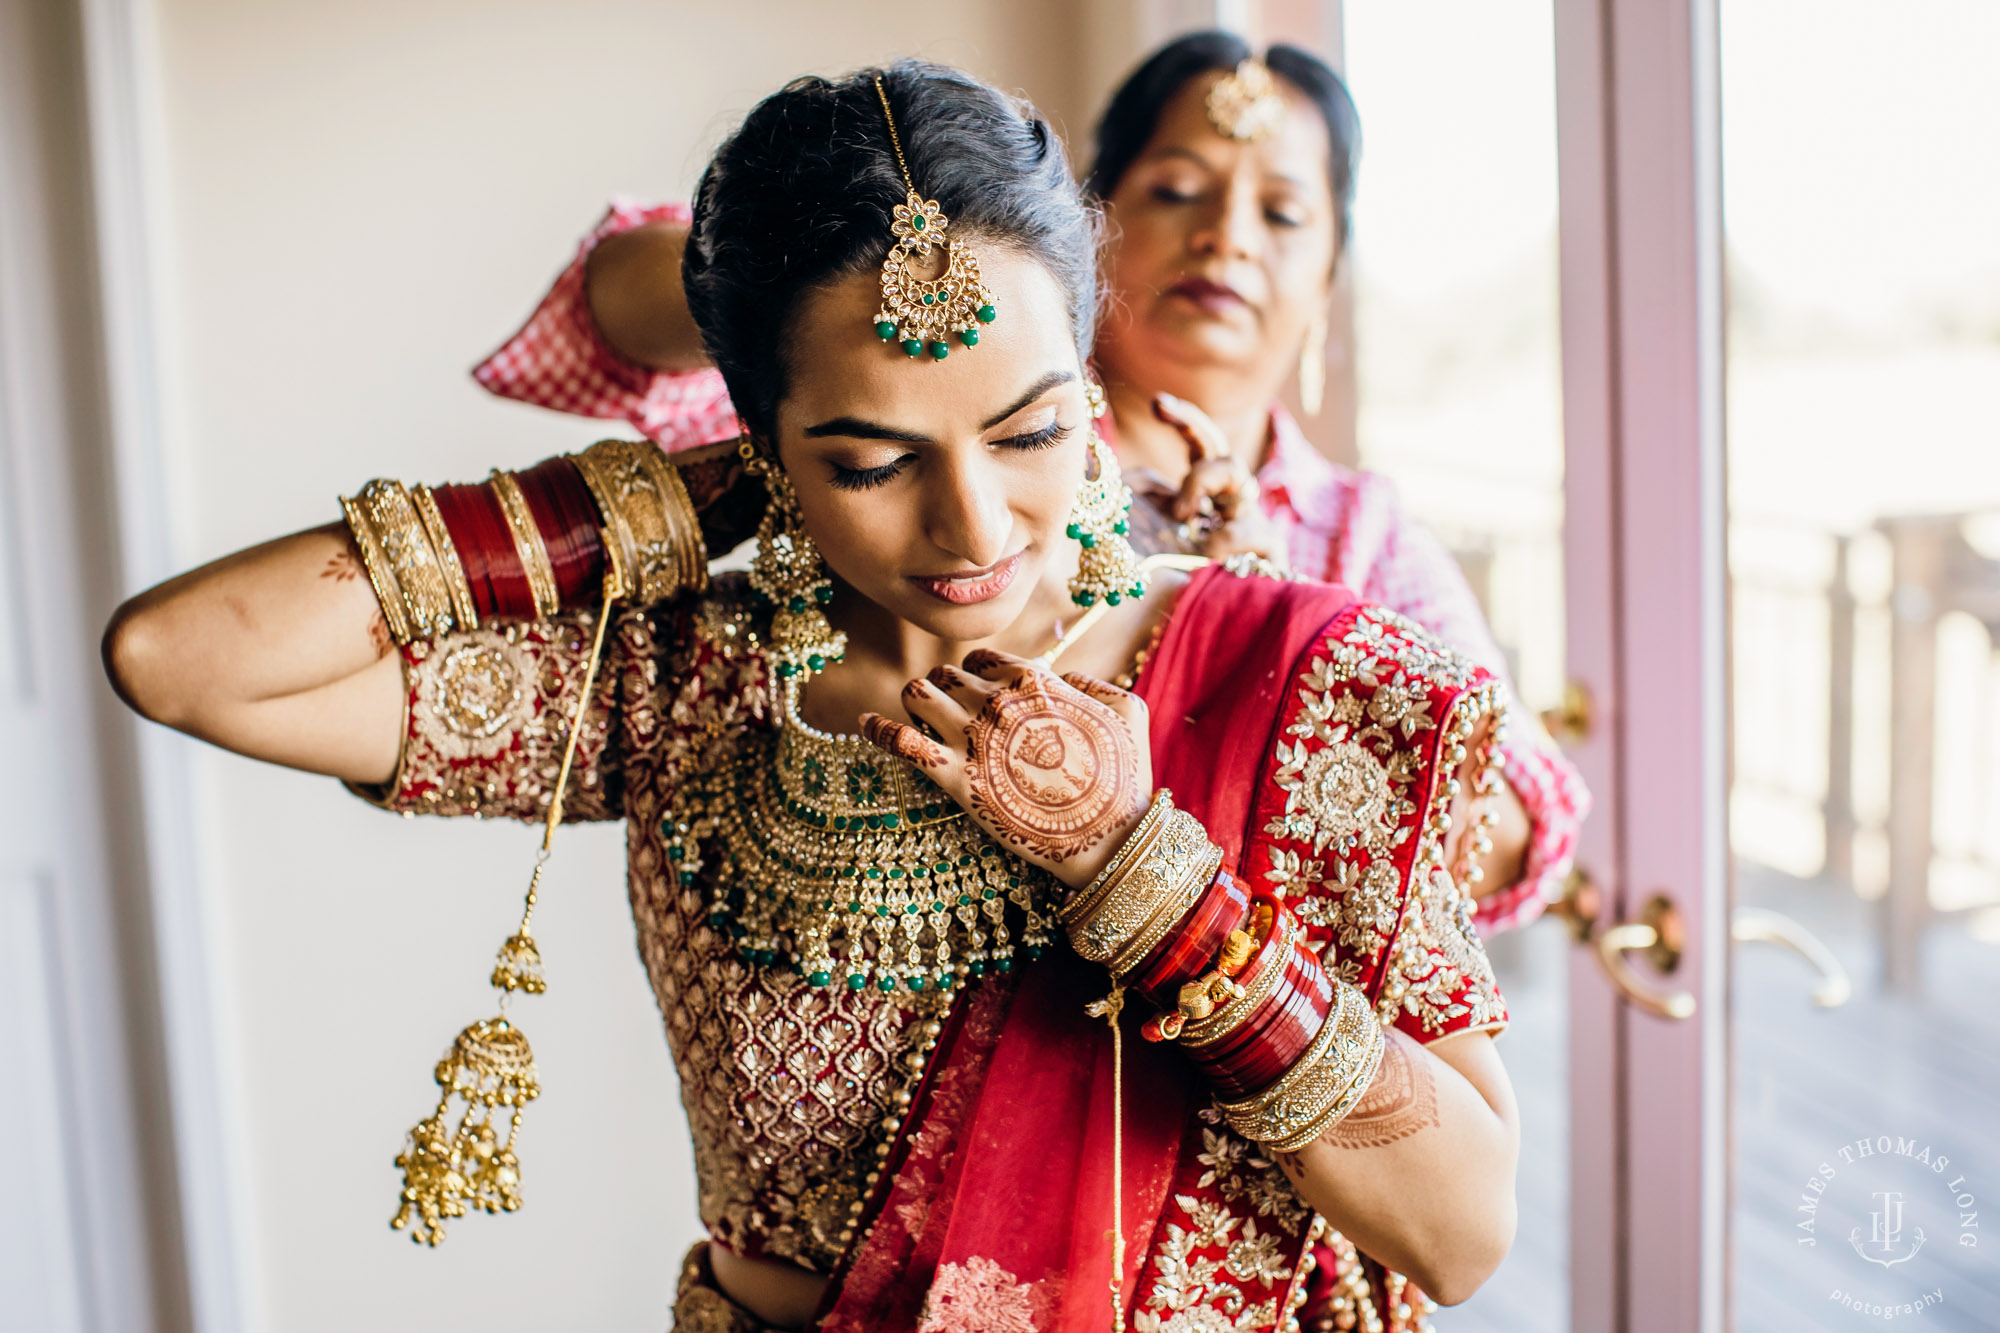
(490, 1065)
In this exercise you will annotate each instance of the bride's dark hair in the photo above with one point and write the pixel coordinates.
(801, 195)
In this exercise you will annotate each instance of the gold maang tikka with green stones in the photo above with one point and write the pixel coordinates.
(925, 314)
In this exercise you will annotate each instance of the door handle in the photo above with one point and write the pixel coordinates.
(1657, 932)
(1570, 721)
(1755, 925)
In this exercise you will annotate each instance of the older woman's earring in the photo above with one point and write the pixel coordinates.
(1108, 569)
(788, 571)
(1312, 367)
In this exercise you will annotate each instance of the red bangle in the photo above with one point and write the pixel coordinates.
(572, 531)
(1191, 947)
(1278, 1033)
(486, 549)
(1292, 1031)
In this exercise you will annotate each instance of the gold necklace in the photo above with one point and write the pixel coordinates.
(846, 863)
(850, 865)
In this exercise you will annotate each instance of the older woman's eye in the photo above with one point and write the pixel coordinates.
(1052, 434)
(1282, 217)
(866, 478)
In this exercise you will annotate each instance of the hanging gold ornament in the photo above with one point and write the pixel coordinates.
(1108, 569)
(787, 570)
(1245, 103)
(490, 1067)
(922, 313)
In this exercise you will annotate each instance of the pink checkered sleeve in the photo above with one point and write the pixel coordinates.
(560, 361)
(1413, 573)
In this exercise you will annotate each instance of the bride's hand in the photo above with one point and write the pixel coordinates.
(1056, 768)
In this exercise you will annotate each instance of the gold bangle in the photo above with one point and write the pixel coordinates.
(651, 532)
(387, 594)
(1087, 900)
(1322, 1086)
(463, 609)
(1192, 878)
(1155, 882)
(527, 543)
(1232, 1015)
(404, 568)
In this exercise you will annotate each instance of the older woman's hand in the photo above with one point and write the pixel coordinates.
(1215, 504)
(1054, 767)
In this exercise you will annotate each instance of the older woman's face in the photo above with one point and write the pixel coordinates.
(1220, 251)
(939, 490)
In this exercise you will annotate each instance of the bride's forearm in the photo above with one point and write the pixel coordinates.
(1420, 1175)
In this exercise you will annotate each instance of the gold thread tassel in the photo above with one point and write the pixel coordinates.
(490, 1066)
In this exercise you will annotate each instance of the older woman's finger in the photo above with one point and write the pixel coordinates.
(1204, 438)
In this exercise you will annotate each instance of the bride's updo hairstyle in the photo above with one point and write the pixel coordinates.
(801, 196)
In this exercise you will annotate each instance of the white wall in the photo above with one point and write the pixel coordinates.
(363, 198)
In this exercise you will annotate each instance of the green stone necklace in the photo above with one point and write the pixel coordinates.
(837, 859)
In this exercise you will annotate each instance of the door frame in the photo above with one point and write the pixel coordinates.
(1638, 124)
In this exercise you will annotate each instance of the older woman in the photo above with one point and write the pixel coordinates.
(1225, 182)
(864, 815)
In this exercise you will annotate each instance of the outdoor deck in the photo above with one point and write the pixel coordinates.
(1807, 1082)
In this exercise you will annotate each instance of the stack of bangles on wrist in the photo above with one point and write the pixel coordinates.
(1289, 1049)
(527, 545)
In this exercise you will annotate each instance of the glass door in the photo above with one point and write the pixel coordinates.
(1863, 225)
(1453, 273)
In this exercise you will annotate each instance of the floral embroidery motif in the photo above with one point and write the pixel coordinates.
(479, 688)
(1349, 817)
(980, 1296)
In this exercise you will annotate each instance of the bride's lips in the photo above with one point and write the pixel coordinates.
(974, 585)
(1216, 298)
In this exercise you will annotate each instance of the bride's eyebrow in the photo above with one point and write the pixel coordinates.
(854, 428)
(1035, 390)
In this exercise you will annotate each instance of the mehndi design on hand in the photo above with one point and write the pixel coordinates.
(1049, 769)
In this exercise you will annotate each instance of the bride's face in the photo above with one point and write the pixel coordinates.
(939, 490)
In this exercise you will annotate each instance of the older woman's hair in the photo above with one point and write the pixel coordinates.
(1134, 113)
(801, 196)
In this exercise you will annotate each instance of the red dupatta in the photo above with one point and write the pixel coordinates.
(994, 1211)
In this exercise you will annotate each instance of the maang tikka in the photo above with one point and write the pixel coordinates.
(923, 314)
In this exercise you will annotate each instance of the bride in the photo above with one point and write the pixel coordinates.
(1041, 933)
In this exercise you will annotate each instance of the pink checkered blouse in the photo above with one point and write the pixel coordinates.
(1342, 526)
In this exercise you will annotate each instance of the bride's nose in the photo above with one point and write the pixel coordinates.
(966, 511)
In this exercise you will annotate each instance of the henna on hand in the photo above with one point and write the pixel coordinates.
(988, 663)
(1101, 690)
(1400, 1102)
(903, 741)
(1052, 772)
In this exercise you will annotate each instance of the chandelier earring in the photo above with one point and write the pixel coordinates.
(1108, 569)
(788, 571)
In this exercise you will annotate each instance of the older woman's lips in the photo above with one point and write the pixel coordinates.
(1215, 297)
(974, 585)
